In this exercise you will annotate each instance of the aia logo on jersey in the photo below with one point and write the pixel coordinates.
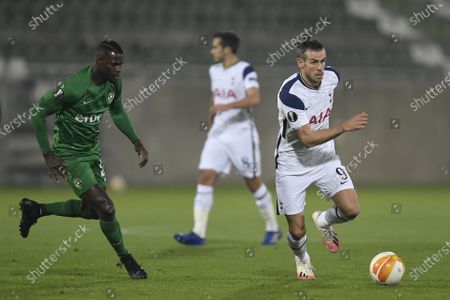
(320, 118)
(110, 97)
(224, 94)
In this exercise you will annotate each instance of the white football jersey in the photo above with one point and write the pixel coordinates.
(299, 105)
(229, 85)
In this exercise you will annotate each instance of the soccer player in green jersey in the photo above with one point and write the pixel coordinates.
(74, 154)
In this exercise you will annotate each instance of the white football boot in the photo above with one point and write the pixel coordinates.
(304, 269)
(329, 236)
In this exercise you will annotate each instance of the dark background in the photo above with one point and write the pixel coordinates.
(387, 52)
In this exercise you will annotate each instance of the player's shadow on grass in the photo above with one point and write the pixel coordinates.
(213, 247)
(189, 251)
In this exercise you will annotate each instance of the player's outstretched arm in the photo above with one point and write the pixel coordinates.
(121, 120)
(253, 98)
(312, 138)
(49, 104)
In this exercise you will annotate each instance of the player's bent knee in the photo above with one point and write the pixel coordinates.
(106, 209)
(349, 207)
(253, 183)
(100, 202)
(297, 232)
(207, 177)
(351, 212)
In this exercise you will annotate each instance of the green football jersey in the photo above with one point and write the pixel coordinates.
(79, 105)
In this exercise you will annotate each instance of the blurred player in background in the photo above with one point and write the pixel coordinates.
(79, 104)
(305, 154)
(232, 139)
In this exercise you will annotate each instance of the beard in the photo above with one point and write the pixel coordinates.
(315, 82)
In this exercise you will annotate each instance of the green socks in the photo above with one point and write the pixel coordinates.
(111, 229)
(69, 208)
(72, 208)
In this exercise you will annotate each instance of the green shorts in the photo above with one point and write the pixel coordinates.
(83, 174)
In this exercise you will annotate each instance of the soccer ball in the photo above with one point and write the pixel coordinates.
(387, 268)
(117, 183)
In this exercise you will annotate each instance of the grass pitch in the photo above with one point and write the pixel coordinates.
(233, 264)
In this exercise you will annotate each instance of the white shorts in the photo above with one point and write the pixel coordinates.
(330, 178)
(239, 149)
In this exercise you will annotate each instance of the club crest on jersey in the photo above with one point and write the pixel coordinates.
(292, 116)
(78, 183)
(111, 97)
(59, 92)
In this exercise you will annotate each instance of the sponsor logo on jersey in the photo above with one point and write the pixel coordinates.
(222, 93)
(292, 116)
(320, 118)
(111, 97)
(92, 119)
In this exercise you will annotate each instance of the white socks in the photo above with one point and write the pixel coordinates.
(331, 216)
(204, 199)
(202, 205)
(265, 206)
(298, 247)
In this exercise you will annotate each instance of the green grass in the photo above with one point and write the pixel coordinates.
(220, 270)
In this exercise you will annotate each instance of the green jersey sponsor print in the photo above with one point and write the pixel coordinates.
(79, 105)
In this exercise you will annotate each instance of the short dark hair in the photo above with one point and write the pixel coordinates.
(313, 45)
(108, 46)
(228, 39)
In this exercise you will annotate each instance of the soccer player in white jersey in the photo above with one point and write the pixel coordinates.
(232, 139)
(305, 154)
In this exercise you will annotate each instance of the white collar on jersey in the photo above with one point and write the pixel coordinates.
(230, 66)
